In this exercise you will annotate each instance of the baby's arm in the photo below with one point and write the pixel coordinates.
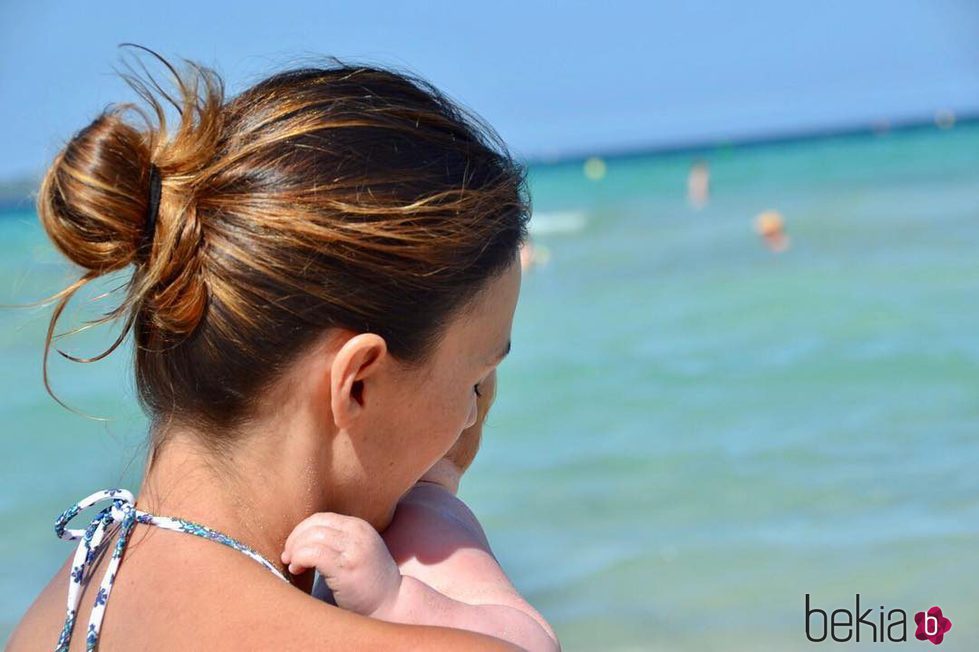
(420, 604)
(436, 539)
(354, 563)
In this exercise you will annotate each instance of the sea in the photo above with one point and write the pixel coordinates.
(701, 441)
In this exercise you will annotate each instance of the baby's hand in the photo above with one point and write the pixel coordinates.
(352, 558)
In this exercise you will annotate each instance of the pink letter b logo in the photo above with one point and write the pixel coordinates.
(932, 625)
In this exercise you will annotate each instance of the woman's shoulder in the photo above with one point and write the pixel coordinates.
(41, 625)
(166, 600)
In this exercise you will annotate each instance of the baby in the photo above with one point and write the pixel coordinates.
(433, 565)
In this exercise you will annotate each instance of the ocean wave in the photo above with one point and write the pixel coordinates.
(550, 222)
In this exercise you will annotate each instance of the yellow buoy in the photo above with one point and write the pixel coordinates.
(595, 168)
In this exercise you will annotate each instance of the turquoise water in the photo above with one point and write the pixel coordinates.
(691, 432)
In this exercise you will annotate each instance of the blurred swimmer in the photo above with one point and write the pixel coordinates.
(698, 184)
(771, 227)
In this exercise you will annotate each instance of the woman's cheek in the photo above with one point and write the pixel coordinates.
(473, 412)
(453, 432)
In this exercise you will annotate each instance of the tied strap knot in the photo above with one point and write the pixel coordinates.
(122, 503)
(121, 510)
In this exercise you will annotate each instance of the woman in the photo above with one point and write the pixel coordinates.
(325, 271)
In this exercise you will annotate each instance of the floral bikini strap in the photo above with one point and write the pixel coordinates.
(122, 510)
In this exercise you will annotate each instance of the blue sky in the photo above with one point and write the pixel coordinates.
(554, 78)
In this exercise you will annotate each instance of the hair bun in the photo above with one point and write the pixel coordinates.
(94, 198)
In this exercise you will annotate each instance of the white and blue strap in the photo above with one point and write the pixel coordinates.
(121, 510)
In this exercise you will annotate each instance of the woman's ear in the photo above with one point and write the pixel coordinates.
(358, 358)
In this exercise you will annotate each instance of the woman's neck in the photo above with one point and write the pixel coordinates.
(256, 495)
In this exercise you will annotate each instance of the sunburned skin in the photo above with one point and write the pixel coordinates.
(432, 566)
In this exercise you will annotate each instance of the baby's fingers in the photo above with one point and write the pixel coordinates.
(322, 557)
(321, 519)
(312, 536)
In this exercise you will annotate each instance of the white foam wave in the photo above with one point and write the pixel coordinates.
(546, 223)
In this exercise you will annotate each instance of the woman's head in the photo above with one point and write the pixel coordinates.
(347, 200)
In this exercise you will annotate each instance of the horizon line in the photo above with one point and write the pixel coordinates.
(708, 145)
(701, 146)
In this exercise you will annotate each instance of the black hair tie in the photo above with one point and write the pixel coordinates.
(149, 227)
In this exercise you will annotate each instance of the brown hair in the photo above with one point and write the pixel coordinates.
(340, 196)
